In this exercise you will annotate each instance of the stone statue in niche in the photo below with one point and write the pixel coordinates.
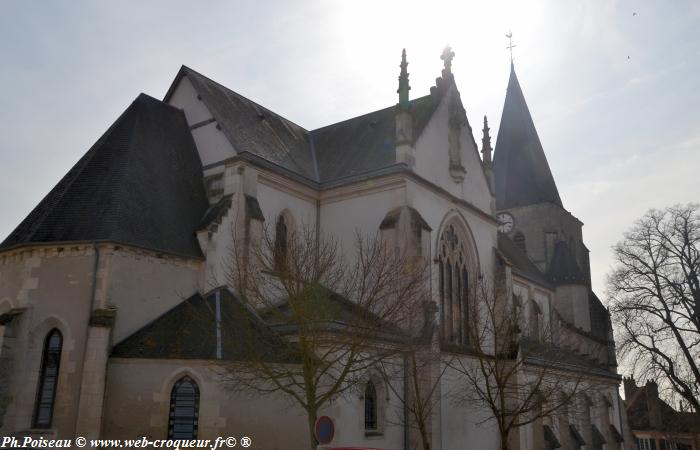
(457, 118)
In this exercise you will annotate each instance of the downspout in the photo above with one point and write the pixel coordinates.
(95, 265)
(217, 300)
(405, 402)
(94, 277)
(318, 222)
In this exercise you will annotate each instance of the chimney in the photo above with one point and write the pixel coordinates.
(630, 387)
(653, 405)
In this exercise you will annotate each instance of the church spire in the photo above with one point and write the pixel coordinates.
(521, 170)
(403, 82)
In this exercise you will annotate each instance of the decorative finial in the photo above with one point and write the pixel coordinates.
(486, 143)
(509, 35)
(447, 56)
(403, 81)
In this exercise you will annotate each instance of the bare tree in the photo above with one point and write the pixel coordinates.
(338, 315)
(519, 379)
(654, 291)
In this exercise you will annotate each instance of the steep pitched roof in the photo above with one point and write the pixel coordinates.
(520, 166)
(189, 331)
(351, 147)
(367, 142)
(334, 313)
(139, 184)
(255, 129)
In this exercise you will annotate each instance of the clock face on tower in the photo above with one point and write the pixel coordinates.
(506, 222)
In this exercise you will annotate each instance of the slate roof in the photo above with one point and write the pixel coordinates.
(351, 147)
(522, 264)
(549, 354)
(334, 313)
(520, 166)
(139, 184)
(563, 269)
(189, 331)
(367, 142)
(255, 129)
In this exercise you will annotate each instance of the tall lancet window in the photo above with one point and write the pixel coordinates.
(370, 406)
(48, 379)
(281, 242)
(184, 409)
(453, 262)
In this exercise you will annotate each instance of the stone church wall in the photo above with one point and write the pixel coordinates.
(143, 285)
(433, 159)
(53, 286)
(544, 224)
(211, 142)
(137, 403)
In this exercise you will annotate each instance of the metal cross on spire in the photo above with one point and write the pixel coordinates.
(509, 35)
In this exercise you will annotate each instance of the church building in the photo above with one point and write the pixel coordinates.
(99, 281)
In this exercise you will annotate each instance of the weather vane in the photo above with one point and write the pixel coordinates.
(509, 35)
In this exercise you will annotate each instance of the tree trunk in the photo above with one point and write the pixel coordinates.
(311, 417)
(504, 441)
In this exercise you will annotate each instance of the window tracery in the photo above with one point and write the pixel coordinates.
(184, 409)
(453, 262)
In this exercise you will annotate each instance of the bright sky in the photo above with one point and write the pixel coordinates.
(612, 85)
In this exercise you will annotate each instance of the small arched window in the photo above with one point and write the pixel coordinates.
(281, 242)
(184, 409)
(48, 379)
(370, 406)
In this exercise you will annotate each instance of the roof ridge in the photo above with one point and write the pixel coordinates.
(159, 317)
(366, 114)
(129, 154)
(314, 158)
(241, 96)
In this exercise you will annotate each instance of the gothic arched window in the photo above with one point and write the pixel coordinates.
(370, 406)
(184, 409)
(281, 242)
(454, 266)
(48, 379)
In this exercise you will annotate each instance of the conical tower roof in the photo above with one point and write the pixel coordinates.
(520, 165)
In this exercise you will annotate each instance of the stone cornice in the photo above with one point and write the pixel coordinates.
(278, 176)
(84, 248)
